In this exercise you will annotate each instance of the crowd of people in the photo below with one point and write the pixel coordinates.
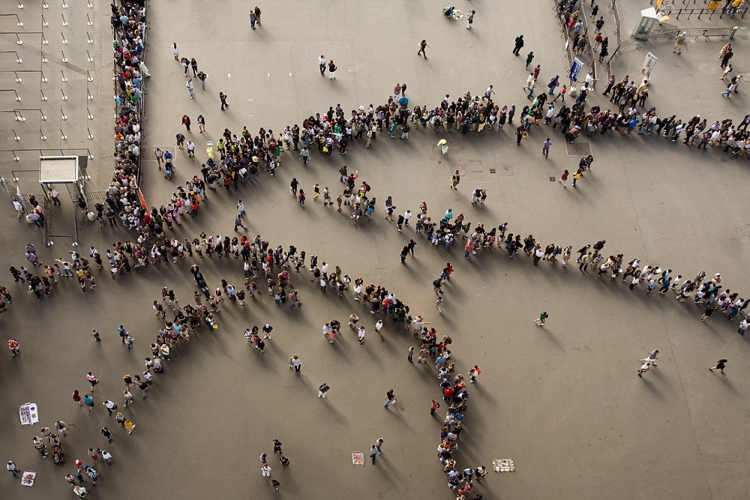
(243, 156)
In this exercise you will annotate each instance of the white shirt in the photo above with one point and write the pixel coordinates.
(176, 50)
(407, 216)
(322, 61)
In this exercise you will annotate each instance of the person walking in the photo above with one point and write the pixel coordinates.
(296, 363)
(12, 468)
(265, 471)
(253, 19)
(651, 358)
(378, 444)
(189, 86)
(223, 99)
(107, 433)
(439, 305)
(276, 446)
(322, 390)
(404, 253)
(720, 365)
(545, 148)
(41, 448)
(542, 318)
(389, 400)
(322, 65)
(238, 223)
(474, 373)
(470, 19)
(529, 58)
(564, 179)
(518, 46)
(455, 180)
(726, 57)
(644, 368)
(13, 346)
(181, 138)
(109, 405)
(331, 70)
(422, 46)
(434, 406)
(54, 194)
(176, 51)
(679, 41)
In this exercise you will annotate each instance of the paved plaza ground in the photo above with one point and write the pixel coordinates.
(563, 402)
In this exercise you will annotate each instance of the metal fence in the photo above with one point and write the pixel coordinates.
(700, 8)
(670, 33)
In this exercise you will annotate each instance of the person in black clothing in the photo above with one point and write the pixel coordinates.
(519, 45)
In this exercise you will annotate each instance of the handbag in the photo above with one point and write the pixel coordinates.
(325, 149)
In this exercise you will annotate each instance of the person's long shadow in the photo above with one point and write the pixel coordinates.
(335, 413)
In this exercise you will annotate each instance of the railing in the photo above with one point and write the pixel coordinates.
(673, 8)
(671, 32)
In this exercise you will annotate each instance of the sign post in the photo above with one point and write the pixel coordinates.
(648, 64)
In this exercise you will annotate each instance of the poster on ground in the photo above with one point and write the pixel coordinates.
(29, 414)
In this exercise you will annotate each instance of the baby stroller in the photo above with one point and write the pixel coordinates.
(168, 170)
(57, 455)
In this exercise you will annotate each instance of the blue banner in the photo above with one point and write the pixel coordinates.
(575, 70)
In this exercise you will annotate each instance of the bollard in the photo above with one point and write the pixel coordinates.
(734, 30)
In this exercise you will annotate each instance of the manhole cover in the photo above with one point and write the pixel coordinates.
(508, 171)
(552, 179)
(493, 171)
(580, 148)
(353, 69)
